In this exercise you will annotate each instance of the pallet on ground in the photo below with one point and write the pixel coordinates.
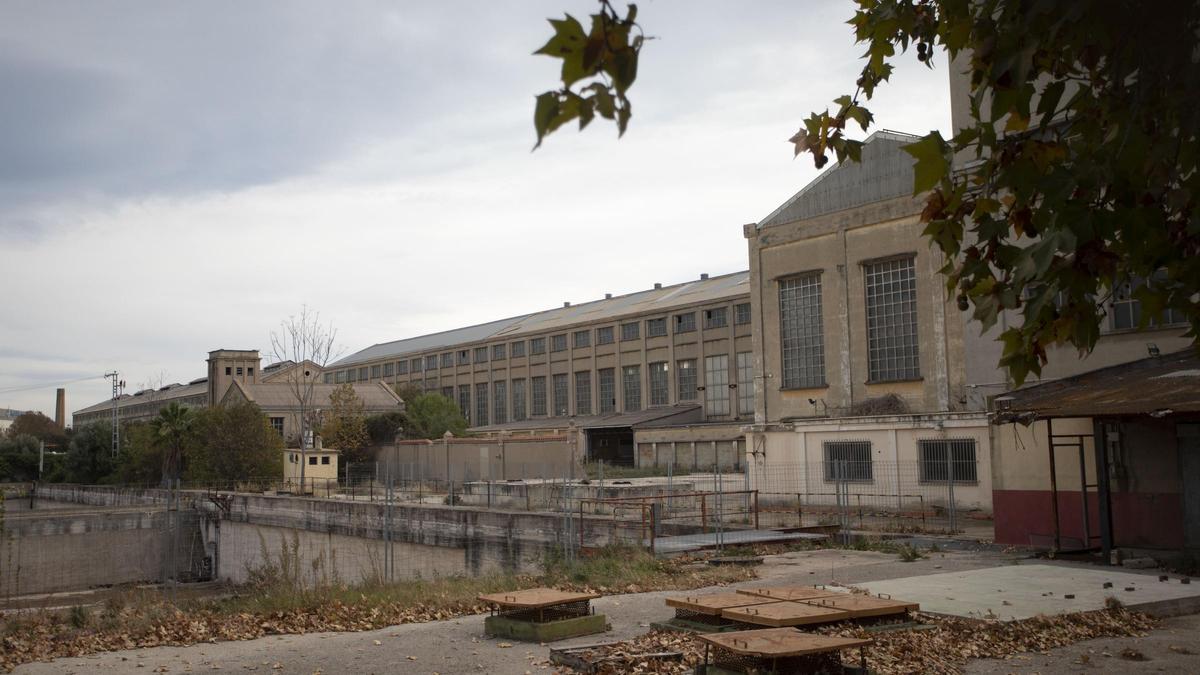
(702, 613)
(785, 614)
(542, 615)
(865, 606)
(779, 651)
(788, 593)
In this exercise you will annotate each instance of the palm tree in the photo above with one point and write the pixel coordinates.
(172, 429)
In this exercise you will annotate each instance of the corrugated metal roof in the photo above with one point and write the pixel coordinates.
(1159, 385)
(658, 299)
(885, 172)
(175, 392)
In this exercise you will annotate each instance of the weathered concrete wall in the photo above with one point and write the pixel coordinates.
(57, 549)
(481, 459)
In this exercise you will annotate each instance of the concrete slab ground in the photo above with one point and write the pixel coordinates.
(1027, 590)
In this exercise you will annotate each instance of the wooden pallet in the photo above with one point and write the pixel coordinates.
(781, 614)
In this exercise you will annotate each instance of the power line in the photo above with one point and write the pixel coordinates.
(47, 385)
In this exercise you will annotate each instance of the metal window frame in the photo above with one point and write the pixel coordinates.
(558, 343)
(499, 352)
(537, 345)
(517, 349)
(608, 403)
(685, 323)
(893, 342)
(519, 413)
(583, 392)
(745, 382)
(716, 317)
(631, 330)
(478, 352)
(481, 404)
(537, 406)
(716, 386)
(689, 369)
(464, 401)
(854, 446)
(660, 383)
(499, 401)
(562, 394)
(742, 313)
(605, 335)
(801, 331)
(631, 388)
(932, 460)
(656, 327)
(581, 338)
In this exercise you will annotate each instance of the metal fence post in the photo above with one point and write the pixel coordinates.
(950, 488)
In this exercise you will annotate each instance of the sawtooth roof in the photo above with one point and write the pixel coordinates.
(663, 299)
(885, 172)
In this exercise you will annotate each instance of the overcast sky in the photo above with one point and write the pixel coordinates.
(180, 177)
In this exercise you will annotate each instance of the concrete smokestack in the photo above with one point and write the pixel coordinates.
(60, 408)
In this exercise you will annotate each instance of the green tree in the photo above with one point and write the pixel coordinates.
(345, 427)
(231, 443)
(173, 430)
(432, 415)
(40, 427)
(140, 460)
(381, 429)
(1075, 177)
(19, 458)
(89, 454)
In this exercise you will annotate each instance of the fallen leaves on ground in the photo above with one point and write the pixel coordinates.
(943, 646)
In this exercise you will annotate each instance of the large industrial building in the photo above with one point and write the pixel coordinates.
(236, 375)
(654, 377)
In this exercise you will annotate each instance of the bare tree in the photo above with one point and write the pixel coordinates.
(303, 339)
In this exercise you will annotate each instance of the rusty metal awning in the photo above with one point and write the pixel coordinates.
(1159, 386)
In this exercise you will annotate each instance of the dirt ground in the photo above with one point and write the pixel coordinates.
(459, 646)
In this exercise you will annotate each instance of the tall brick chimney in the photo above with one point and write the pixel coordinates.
(60, 408)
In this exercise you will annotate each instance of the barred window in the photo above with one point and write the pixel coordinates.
(518, 400)
(716, 385)
(448, 360)
(402, 367)
(608, 390)
(631, 384)
(518, 349)
(1126, 311)
(431, 362)
(561, 393)
(686, 379)
(741, 313)
(464, 401)
(362, 374)
(558, 343)
(943, 457)
(498, 352)
(416, 365)
(376, 371)
(481, 355)
(656, 327)
(685, 323)
(539, 396)
(660, 388)
(629, 331)
(499, 402)
(745, 382)
(582, 338)
(537, 345)
(328, 377)
(389, 369)
(583, 392)
(716, 317)
(464, 357)
(481, 404)
(341, 377)
(604, 335)
(892, 320)
(848, 461)
(801, 332)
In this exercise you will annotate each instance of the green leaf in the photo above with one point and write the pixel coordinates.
(544, 113)
(932, 161)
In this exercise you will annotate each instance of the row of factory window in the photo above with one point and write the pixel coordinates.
(891, 312)
(617, 390)
(715, 318)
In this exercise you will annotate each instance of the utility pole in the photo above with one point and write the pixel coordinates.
(117, 386)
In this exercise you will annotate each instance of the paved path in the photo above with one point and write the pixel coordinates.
(459, 646)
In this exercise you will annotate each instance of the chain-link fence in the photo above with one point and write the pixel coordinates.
(940, 495)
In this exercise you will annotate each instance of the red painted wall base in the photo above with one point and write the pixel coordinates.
(1140, 519)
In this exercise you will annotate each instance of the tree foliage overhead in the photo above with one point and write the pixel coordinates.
(602, 60)
(1075, 177)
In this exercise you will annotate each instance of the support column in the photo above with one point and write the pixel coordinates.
(1103, 488)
